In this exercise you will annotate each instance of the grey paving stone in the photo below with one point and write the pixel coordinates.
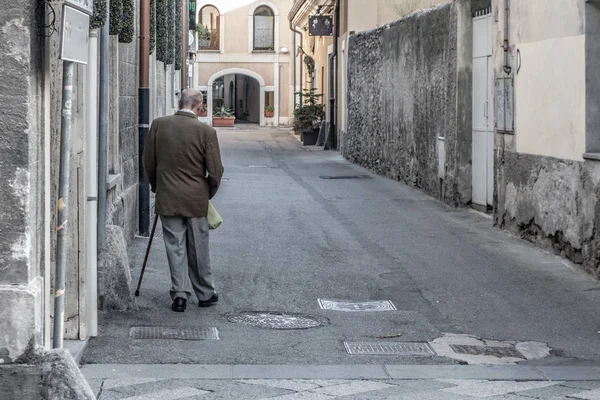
(95, 384)
(495, 372)
(549, 392)
(571, 373)
(590, 385)
(309, 372)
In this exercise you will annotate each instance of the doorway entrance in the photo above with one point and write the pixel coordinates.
(483, 129)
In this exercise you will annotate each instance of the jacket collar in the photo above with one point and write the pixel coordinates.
(186, 113)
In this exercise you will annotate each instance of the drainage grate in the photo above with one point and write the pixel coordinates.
(164, 332)
(345, 177)
(271, 320)
(487, 351)
(334, 305)
(397, 349)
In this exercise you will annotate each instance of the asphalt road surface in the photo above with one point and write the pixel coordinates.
(292, 235)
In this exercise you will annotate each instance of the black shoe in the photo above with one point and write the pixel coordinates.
(179, 304)
(209, 302)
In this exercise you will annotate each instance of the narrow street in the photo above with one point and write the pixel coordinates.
(302, 225)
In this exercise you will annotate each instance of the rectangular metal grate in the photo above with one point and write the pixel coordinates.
(165, 332)
(349, 306)
(346, 177)
(486, 351)
(396, 349)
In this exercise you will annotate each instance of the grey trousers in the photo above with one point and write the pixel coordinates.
(186, 241)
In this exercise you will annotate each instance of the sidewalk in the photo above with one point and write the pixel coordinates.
(248, 382)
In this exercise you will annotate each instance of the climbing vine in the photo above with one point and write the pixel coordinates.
(162, 36)
(127, 23)
(116, 17)
(98, 18)
(152, 25)
(178, 35)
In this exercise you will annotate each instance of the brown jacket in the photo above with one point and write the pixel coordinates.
(179, 152)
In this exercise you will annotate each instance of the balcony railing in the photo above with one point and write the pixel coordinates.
(208, 39)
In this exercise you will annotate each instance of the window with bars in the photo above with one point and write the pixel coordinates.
(264, 29)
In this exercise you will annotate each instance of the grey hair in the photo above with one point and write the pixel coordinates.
(191, 98)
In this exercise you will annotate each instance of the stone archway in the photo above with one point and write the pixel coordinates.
(233, 71)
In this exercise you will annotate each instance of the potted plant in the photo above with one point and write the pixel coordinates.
(223, 117)
(308, 116)
(203, 110)
(269, 111)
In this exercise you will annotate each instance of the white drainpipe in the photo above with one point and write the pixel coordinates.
(91, 187)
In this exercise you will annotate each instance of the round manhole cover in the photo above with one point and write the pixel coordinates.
(272, 320)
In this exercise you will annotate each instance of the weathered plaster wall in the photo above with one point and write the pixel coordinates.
(554, 203)
(21, 155)
(408, 84)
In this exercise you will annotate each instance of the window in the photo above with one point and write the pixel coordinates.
(264, 29)
(209, 28)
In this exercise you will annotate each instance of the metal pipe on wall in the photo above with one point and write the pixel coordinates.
(144, 116)
(63, 205)
(333, 84)
(91, 183)
(103, 133)
(301, 68)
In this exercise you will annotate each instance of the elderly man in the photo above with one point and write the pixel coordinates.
(183, 164)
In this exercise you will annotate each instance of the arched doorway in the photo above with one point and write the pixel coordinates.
(241, 90)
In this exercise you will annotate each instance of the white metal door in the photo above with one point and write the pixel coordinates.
(483, 132)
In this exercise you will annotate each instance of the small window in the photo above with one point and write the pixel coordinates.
(264, 29)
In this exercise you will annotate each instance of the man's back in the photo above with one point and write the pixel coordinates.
(180, 151)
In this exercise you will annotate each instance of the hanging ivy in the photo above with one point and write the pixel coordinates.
(152, 25)
(116, 16)
(178, 35)
(128, 22)
(98, 18)
(170, 32)
(161, 30)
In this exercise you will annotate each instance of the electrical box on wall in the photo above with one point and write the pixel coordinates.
(505, 110)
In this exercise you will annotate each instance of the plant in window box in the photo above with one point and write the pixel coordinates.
(269, 111)
(308, 116)
(203, 110)
(223, 117)
(203, 36)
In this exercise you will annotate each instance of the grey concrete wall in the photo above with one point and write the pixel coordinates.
(21, 155)
(408, 84)
(553, 203)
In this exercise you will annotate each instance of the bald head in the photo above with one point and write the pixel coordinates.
(190, 99)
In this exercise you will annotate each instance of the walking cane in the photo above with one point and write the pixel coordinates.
(137, 292)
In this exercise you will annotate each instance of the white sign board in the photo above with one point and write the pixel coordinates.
(87, 6)
(74, 36)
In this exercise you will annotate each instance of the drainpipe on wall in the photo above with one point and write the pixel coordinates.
(91, 182)
(333, 81)
(103, 133)
(144, 117)
(301, 69)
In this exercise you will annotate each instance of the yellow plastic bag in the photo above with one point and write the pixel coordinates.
(213, 217)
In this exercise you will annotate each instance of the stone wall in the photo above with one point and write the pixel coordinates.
(409, 83)
(21, 169)
(551, 202)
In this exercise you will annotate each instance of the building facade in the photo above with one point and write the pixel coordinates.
(242, 60)
(547, 136)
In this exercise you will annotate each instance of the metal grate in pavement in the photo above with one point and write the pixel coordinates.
(165, 332)
(335, 305)
(487, 351)
(345, 177)
(396, 349)
(272, 320)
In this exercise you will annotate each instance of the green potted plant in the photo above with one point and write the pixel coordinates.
(203, 110)
(269, 111)
(223, 117)
(308, 116)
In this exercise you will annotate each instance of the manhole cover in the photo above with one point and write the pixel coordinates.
(345, 177)
(397, 349)
(486, 351)
(164, 332)
(271, 320)
(335, 305)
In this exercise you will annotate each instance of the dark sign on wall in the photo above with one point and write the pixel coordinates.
(192, 15)
(320, 25)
